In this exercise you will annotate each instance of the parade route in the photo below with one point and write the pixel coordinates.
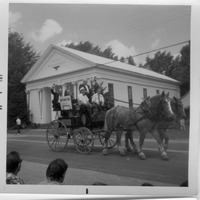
(94, 167)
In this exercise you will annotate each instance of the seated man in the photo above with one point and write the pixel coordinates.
(84, 102)
(98, 99)
(13, 167)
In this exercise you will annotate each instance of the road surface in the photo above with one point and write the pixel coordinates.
(33, 148)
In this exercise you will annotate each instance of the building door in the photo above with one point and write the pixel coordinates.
(130, 97)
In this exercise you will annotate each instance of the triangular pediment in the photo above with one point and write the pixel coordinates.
(55, 63)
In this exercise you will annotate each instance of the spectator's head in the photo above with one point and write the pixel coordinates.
(184, 184)
(82, 90)
(56, 170)
(13, 162)
(146, 184)
(99, 183)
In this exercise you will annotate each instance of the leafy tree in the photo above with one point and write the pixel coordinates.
(96, 50)
(180, 69)
(21, 57)
(131, 61)
(160, 62)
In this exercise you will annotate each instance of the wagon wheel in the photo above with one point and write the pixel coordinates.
(83, 140)
(57, 135)
(111, 141)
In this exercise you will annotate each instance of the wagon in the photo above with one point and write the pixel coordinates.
(73, 124)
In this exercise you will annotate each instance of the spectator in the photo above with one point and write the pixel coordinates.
(99, 183)
(13, 166)
(18, 123)
(184, 184)
(55, 173)
(147, 184)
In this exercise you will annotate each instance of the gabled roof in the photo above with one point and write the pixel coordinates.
(102, 62)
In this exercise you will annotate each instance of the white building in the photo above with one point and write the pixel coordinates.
(68, 67)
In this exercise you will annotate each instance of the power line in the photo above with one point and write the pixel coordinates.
(172, 45)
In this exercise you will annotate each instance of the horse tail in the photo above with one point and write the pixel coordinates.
(108, 119)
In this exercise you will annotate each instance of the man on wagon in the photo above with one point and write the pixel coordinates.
(98, 99)
(84, 102)
(56, 98)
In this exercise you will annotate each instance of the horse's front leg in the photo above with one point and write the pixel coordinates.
(105, 145)
(119, 145)
(160, 145)
(164, 137)
(141, 142)
(127, 138)
(130, 137)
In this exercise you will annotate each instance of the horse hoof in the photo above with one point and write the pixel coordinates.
(105, 152)
(165, 156)
(128, 149)
(123, 153)
(142, 156)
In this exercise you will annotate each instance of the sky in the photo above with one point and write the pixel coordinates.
(128, 29)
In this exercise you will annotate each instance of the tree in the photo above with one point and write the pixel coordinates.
(130, 60)
(21, 57)
(96, 50)
(160, 62)
(180, 69)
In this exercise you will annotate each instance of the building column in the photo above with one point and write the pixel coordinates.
(40, 95)
(28, 99)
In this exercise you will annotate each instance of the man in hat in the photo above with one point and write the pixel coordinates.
(98, 99)
(84, 101)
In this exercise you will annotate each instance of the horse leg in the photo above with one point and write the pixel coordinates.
(164, 137)
(127, 137)
(105, 145)
(135, 149)
(160, 145)
(119, 146)
(130, 137)
(141, 142)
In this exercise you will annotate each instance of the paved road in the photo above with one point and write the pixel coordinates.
(33, 148)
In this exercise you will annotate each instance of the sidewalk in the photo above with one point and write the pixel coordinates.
(34, 173)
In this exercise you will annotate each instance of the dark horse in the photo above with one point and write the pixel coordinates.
(121, 118)
(162, 126)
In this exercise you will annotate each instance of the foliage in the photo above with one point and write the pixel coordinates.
(177, 68)
(21, 57)
(88, 47)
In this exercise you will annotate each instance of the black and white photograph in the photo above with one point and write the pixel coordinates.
(99, 99)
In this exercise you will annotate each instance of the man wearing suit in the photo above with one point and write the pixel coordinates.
(87, 89)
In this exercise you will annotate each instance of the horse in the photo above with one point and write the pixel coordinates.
(162, 126)
(178, 122)
(122, 118)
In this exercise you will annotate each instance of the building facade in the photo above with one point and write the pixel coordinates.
(67, 68)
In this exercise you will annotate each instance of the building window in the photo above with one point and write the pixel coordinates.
(157, 91)
(111, 92)
(130, 97)
(144, 93)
